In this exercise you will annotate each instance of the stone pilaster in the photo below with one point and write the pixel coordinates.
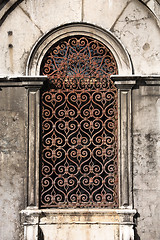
(125, 86)
(33, 84)
(125, 141)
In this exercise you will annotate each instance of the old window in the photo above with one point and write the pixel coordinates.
(79, 126)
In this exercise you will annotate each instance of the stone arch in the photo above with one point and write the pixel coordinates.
(106, 37)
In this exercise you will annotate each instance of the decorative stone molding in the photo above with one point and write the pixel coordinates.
(106, 37)
(125, 140)
(78, 216)
(33, 146)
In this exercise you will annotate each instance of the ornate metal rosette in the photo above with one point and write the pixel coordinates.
(79, 126)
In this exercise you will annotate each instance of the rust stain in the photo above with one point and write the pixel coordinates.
(10, 46)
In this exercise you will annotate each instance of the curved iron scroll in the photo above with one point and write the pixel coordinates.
(79, 126)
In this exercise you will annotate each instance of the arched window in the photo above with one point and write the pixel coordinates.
(79, 125)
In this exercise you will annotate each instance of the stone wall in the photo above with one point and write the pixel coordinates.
(135, 24)
(146, 155)
(13, 164)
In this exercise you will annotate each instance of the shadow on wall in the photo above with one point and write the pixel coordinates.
(136, 236)
(40, 234)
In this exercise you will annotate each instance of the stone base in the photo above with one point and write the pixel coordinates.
(78, 224)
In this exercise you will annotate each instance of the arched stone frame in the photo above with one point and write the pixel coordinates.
(123, 215)
(106, 37)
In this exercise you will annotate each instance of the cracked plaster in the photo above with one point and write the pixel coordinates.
(146, 165)
(138, 31)
(21, 41)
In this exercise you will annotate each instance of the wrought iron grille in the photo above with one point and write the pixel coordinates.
(79, 126)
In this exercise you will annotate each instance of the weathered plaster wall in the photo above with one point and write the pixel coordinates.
(13, 146)
(146, 155)
(138, 30)
(140, 34)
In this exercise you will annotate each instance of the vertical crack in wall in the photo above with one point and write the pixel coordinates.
(82, 11)
(10, 47)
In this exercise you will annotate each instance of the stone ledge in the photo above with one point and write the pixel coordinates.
(22, 81)
(78, 216)
(136, 80)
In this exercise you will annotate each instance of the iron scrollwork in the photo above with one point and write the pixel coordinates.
(79, 126)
